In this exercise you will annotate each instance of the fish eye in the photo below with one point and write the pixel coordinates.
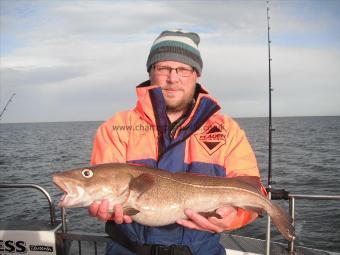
(87, 173)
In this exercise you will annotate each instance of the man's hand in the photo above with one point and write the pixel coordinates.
(101, 211)
(212, 224)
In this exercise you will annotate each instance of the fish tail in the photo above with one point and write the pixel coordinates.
(282, 221)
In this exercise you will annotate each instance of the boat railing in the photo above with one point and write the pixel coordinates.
(282, 194)
(37, 187)
(64, 241)
(292, 199)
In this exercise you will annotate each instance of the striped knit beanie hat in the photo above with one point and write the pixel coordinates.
(176, 45)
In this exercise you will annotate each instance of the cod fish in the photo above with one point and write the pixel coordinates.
(155, 197)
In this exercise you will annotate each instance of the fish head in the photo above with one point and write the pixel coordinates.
(83, 186)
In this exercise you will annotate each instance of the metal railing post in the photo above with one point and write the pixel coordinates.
(63, 219)
(268, 227)
(292, 214)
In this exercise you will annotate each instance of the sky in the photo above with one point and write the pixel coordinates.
(81, 60)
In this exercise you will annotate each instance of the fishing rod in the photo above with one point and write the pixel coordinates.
(270, 129)
(9, 100)
(270, 89)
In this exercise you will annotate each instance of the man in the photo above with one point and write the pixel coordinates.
(175, 126)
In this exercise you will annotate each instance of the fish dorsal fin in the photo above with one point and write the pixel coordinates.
(142, 183)
(253, 181)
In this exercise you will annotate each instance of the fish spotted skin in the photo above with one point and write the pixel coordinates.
(155, 197)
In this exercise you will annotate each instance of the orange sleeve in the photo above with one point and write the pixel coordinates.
(240, 161)
(110, 142)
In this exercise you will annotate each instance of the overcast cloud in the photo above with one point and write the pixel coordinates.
(81, 60)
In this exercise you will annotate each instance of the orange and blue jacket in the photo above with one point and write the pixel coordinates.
(206, 142)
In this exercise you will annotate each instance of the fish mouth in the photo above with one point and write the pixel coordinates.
(61, 185)
(72, 192)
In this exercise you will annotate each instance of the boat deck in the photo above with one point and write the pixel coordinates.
(240, 245)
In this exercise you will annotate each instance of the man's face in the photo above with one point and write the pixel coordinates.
(178, 91)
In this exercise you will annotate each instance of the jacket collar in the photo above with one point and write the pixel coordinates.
(151, 106)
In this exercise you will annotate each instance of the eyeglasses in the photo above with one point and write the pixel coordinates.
(166, 70)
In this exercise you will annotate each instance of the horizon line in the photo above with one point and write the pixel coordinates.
(258, 117)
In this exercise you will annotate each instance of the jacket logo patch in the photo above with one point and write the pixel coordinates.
(212, 138)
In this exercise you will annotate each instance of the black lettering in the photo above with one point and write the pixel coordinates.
(20, 246)
(2, 246)
(9, 246)
(41, 248)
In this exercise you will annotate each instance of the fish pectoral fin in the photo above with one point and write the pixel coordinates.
(142, 183)
(130, 211)
(210, 214)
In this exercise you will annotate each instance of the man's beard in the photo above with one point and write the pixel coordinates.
(183, 107)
